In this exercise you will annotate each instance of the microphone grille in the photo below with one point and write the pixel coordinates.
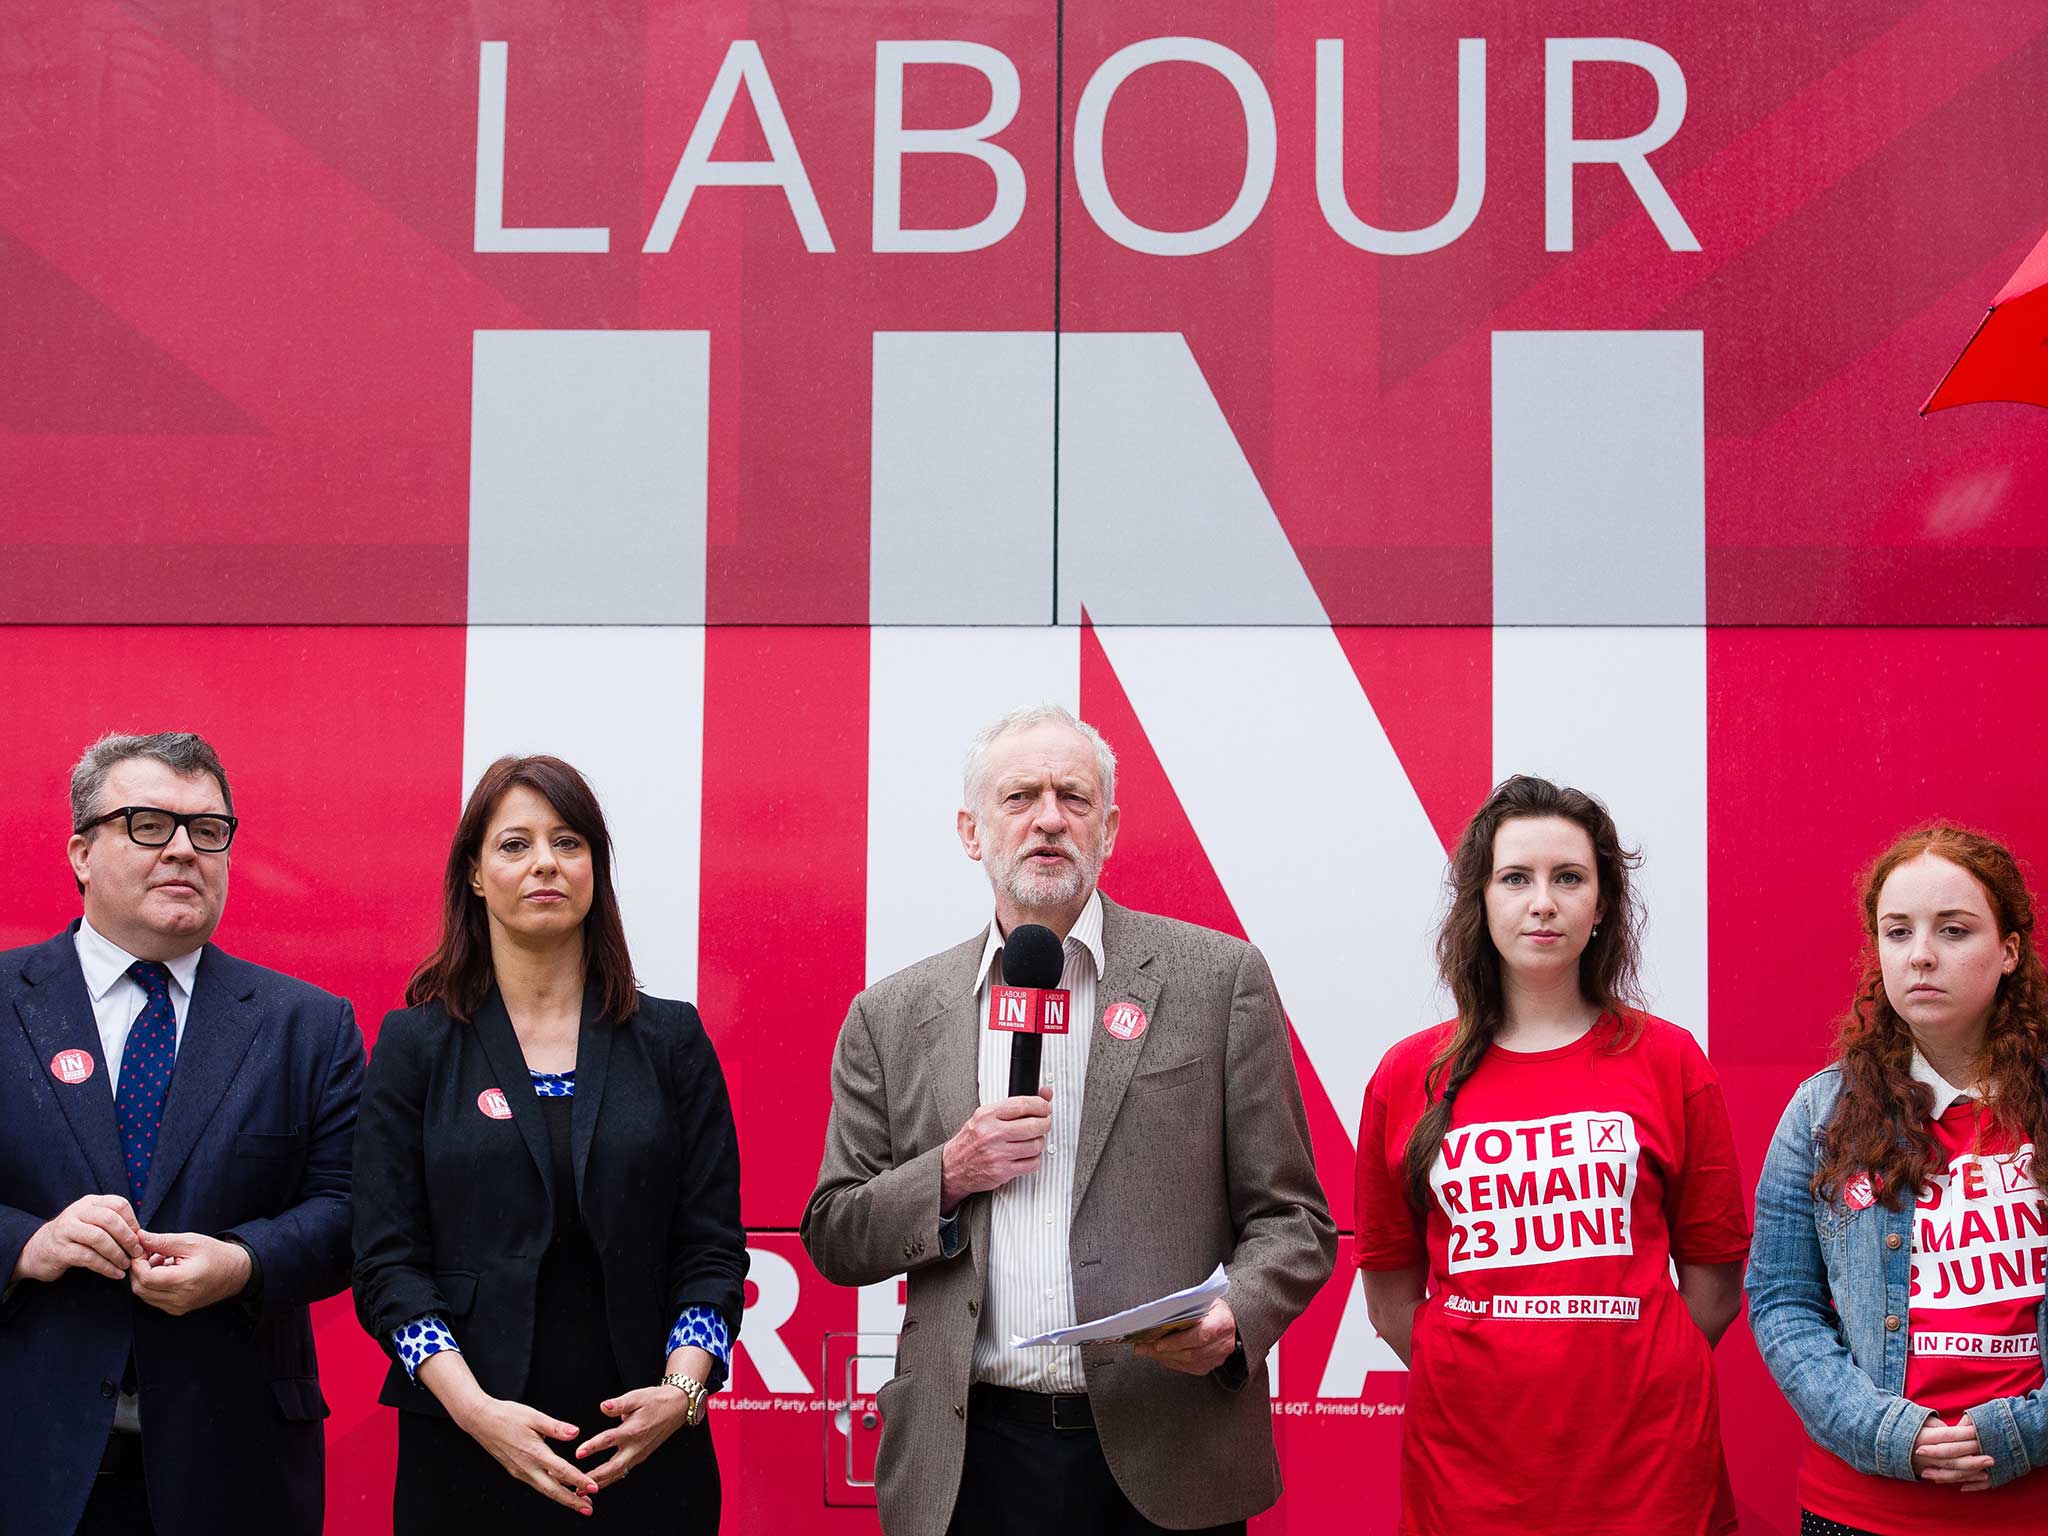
(1033, 956)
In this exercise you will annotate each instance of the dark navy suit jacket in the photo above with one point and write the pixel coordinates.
(255, 1143)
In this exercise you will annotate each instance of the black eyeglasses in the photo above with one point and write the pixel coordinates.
(151, 827)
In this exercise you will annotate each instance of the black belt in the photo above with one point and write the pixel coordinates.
(1046, 1410)
(123, 1455)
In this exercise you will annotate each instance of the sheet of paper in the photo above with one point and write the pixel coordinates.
(1180, 1307)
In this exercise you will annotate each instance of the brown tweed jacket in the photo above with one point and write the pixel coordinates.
(1194, 1150)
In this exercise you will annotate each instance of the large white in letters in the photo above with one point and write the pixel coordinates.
(1164, 529)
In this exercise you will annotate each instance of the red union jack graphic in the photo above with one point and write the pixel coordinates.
(1339, 406)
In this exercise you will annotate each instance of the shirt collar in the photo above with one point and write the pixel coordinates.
(105, 962)
(1086, 932)
(1946, 1094)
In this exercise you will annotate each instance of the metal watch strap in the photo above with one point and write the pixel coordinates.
(693, 1389)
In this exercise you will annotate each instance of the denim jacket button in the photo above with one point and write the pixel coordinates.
(1891, 1240)
(1891, 1324)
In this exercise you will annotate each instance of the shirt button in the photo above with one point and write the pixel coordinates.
(1891, 1240)
(1891, 1324)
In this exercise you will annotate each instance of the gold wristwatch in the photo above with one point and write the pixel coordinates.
(693, 1389)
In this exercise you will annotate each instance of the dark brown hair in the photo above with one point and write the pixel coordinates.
(1879, 1124)
(457, 974)
(1469, 963)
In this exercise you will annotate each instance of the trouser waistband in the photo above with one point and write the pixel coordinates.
(1047, 1410)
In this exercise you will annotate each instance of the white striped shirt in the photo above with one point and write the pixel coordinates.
(1030, 1281)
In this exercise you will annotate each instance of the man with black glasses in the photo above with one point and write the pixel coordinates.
(175, 1133)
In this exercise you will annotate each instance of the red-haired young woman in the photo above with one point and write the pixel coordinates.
(1540, 1163)
(1901, 1251)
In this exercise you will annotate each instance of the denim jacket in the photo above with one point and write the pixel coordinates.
(1828, 1309)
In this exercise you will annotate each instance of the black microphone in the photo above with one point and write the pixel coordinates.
(1034, 957)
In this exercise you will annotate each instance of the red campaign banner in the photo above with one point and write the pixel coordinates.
(246, 255)
(1300, 489)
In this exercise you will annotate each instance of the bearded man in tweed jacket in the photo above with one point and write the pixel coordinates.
(1168, 1137)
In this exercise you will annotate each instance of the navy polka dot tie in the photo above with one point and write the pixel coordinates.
(145, 1073)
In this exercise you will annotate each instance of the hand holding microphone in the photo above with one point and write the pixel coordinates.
(1005, 1139)
(999, 1142)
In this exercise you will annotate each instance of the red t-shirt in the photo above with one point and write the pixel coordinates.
(1557, 1381)
(1980, 1269)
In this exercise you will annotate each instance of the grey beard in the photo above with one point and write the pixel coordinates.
(1029, 889)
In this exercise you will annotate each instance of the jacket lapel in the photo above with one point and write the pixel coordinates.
(952, 1053)
(220, 1023)
(56, 1014)
(493, 1026)
(1126, 977)
(593, 1054)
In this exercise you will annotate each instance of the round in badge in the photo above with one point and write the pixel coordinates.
(1124, 1021)
(492, 1102)
(71, 1066)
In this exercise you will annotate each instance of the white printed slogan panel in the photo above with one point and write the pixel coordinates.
(1980, 1234)
(1947, 1344)
(1523, 1192)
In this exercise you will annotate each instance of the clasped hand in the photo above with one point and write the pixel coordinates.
(518, 1439)
(647, 1416)
(176, 1272)
(1952, 1455)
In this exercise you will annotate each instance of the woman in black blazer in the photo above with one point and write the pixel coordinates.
(547, 1213)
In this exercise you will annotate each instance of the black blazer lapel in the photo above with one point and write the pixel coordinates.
(219, 1026)
(493, 1026)
(593, 1054)
(56, 1014)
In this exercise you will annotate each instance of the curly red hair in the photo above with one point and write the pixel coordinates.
(1880, 1121)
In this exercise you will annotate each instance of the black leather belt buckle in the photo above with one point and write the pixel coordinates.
(1041, 1410)
(1072, 1411)
(123, 1455)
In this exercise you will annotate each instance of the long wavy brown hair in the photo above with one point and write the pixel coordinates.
(458, 973)
(1880, 1123)
(1470, 965)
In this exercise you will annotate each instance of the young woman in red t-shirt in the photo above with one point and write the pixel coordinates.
(1528, 1174)
(1901, 1257)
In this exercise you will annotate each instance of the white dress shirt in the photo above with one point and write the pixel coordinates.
(118, 997)
(1030, 1280)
